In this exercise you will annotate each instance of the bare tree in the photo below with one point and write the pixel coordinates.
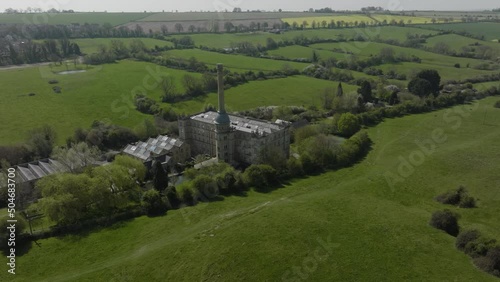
(179, 28)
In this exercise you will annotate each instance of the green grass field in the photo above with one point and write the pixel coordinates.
(446, 73)
(367, 49)
(298, 52)
(293, 91)
(80, 18)
(233, 62)
(372, 232)
(224, 40)
(101, 93)
(456, 42)
(489, 30)
(91, 45)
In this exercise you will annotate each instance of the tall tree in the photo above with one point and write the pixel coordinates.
(160, 177)
(178, 27)
(168, 88)
(433, 77)
(41, 140)
(366, 91)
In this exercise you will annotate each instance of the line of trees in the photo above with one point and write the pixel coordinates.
(29, 52)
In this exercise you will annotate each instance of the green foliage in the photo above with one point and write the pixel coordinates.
(172, 197)
(294, 167)
(445, 220)
(77, 157)
(491, 262)
(41, 140)
(321, 150)
(261, 177)
(304, 133)
(366, 91)
(205, 187)
(420, 87)
(68, 198)
(136, 168)
(187, 196)
(21, 226)
(153, 203)
(348, 124)
(146, 105)
(274, 157)
(160, 177)
(466, 237)
(433, 77)
(459, 197)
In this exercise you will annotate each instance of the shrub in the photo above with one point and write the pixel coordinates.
(445, 220)
(260, 176)
(497, 104)
(449, 198)
(420, 87)
(294, 167)
(187, 197)
(467, 202)
(153, 203)
(205, 187)
(348, 124)
(172, 197)
(491, 262)
(466, 237)
(479, 247)
(458, 198)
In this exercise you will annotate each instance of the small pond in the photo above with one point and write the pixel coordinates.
(71, 72)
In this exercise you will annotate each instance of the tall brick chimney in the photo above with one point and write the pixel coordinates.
(220, 83)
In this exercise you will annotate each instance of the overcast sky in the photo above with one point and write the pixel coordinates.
(292, 5)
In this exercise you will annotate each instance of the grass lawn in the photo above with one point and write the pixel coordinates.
(489, 30)
(366, 49)
(297, 52)
(103, 92)
(486, 85)
(296, 91)
(372, 232)
(224, 40)
(446, 73)
(456, 42)
(66, 18)
(233, 62)
(91, 45)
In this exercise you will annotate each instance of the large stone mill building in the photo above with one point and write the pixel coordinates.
(231, 138)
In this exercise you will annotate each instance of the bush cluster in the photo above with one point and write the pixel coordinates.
(459, 197)
(485, 252)
(447, 221)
